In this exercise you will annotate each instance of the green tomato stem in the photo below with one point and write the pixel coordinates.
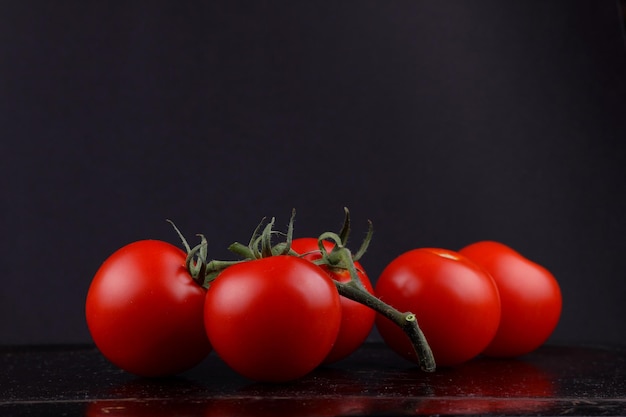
(406, 321)
(341, 257)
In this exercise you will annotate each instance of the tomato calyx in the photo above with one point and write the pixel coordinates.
(260, 245)
(202, 271)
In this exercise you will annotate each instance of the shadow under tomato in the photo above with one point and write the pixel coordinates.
(324, 382)
(324, 392)
(145, 408)
(480, 386)
(277, 407)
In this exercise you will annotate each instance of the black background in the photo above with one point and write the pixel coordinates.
(442, 122)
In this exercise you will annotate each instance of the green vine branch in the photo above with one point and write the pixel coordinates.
(260, 246)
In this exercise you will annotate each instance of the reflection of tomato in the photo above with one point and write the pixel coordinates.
(530, 297)
(273, 319)
(145, 408)
(480, 406)
(144, 311)
(276, 407)
(455, 301)
(485, 386)
(485, 377)
(328, 391)
(479, 387)
(150, 397)
(357, 320)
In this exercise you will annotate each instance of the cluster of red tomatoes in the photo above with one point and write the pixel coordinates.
(285, 309)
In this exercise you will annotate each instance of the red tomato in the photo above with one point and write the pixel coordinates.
(273, 319)
(357, 320)
(455, 301)
(144, 311)
(530, 296)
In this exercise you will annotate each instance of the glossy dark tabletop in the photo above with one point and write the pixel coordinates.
(555, 380)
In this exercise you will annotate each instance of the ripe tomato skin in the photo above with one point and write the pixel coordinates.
(273, 319)
(357, 320)
(530, 296)
(144, 311)
(455, 301)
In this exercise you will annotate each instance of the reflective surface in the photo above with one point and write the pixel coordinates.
(555, 380)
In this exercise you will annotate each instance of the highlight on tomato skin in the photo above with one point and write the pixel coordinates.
(455, 301)
(530, 296)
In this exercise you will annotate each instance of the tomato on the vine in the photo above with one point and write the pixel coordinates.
(145, 312)
(357, 320)
(455, 301)
(530, 296)
(274, 318)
